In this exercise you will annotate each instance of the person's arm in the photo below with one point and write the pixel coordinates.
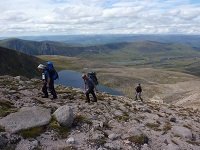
(85, 86)
(95, 87)
(47, 76)
(48, 81)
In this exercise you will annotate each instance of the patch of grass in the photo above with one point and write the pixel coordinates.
(97, 142)
(6, 108)
(174, 142)
(2, 129)
(14, 87)
(32, 132)
(153, 126)
(127, 104)
(187, 126)
(167, 127)
(81, 119)
(69, 148)
(62, 132)
(194, 143)
(139, 139)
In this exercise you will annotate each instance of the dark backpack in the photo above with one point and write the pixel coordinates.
(92, 75)
(53, 73)
(139, 89)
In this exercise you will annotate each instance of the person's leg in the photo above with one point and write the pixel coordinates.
(93, 94)
(136, 96)
(140, 97)
(44, 90)
(87, 96)
(52, 90)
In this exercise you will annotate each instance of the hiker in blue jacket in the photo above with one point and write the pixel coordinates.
(48, 83)
(89, 87)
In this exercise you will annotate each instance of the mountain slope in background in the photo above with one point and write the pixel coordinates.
(176, 57)
(192, 40)
(18, 64)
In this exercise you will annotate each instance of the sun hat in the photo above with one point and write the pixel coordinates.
(41, 66)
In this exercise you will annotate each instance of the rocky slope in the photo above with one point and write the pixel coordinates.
(115, 122)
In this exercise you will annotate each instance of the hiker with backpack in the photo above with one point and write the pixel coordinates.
(89, 87)
(138, 91)
(48, 82)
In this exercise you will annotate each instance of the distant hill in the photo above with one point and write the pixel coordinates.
(191, 40)
(57, 48)
(176, 57)
(15, 63)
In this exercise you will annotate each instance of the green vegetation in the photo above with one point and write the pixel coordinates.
(81, 119)
(32, 132)
(69, 148)
(62, 132)
(167, 127)
(139, 139)
(154, 126)
(2, 129)
(6, 108)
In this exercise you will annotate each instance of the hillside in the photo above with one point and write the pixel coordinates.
(191, 40)
(145, 54)
(115, 122)
(40, 48)
(16, 63)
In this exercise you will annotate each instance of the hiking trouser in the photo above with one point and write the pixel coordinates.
(138, 94)
(90, 90)
(50, 88)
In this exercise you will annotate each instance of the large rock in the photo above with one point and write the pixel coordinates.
(182, 132)
(25, 119)
(64, 115)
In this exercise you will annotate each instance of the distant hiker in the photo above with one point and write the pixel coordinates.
(89, 87)
(48, 82)
(138, 91)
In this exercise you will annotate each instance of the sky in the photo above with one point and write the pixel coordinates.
(72, 17)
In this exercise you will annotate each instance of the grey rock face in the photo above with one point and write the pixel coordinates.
(182, 132)
(64, 115)
(25, 119)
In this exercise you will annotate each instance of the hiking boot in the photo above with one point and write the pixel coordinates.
(54, 98)
(94, 100)
(44, 96)
(87, 101)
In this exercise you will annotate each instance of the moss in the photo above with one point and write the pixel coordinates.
(167, 127)
(153, 126)
(106, 125)
(174, 142)
(81, 119)
(127, 104)
(6, 108)
(139, 139)
(187, 126)
(2, 129)
(32, 132)
(194, 143)
(14, 87)
(97, 142)
(62, 132)
(69, 148)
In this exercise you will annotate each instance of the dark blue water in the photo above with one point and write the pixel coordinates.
(74, 79)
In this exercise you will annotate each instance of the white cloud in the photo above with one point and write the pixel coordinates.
(26, 17)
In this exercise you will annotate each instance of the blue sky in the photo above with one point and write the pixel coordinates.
(63, 17)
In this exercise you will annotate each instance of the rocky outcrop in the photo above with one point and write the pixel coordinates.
(26, 118)
(114, 122)
(64, 115)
